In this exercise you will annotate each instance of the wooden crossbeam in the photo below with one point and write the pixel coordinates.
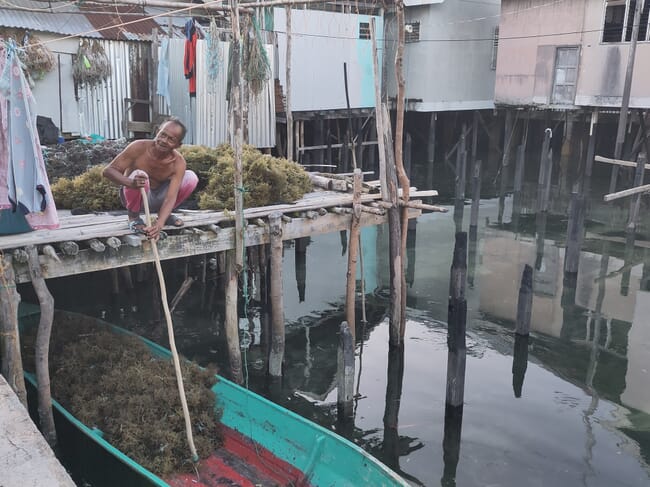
(618, 162)
(627, 192)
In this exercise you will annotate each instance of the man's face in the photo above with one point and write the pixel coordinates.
(168, 137)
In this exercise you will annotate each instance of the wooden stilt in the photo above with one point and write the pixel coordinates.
(232, 319)
(476, 198)
(12, 363)
(353, 255)
(575, 232)
(525, 302)
(566, 154)
(276, 356)
(457, 316)
(545, 168)
(289, 112)
(591, 151)
(461, 169)
(510, 126)
(345, 380)
(42, 347)
(300, 248)
(408, 153)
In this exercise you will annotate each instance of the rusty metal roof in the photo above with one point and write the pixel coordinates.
(91, 20)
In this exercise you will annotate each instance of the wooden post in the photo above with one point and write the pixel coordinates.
(153, 76)
(574, 233)
(395, 377)
(42, 347)
(638, 179)
(345, 380)
(519, 363)
(236, 106)
(457, 314)
(566, 153)
(525, 302)
(232, 319)
(277, 307)
(456, 357)
(353, 254)
(545, 166)
(431, 148)
(540, 236)
(625, 101)
(289, 113)
(461, 162)
(510, 125)
(476, 199)
(379, 115)
(411, 238)
(12, 363)
(408, 153)
(300, 261)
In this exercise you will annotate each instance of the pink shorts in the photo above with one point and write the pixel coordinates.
(132, 199)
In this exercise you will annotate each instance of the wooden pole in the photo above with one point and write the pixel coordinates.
(510, 126)
(170, 333)
(625, 101)
(457, 315)
(12, 363)
(431, 148)
(476, 199)
(638, 179)
(627, 192)
(345, 381)
(575, 231)
(379, 115)
(544, 168)
(42, 347)
(277, 307)
(395, 377)
(540, 236)
(289, 113)
(232, 319)
(353, 255)
(461, 162)
(525, 302)
(236, 107)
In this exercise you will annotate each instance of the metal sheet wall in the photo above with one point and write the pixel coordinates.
(101, 107)
(206, 115)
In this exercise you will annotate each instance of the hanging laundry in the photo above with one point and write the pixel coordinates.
(189, 61)
(24, 186)
(163, 72)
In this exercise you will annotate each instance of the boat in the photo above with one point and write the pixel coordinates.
(264, 444)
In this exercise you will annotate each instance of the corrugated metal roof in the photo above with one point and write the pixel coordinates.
(65, 18)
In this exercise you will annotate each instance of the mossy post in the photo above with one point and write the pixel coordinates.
(237, 136)
(42, 346)
(12, 363)
(276, 355)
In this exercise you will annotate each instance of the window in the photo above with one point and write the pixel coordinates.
(495, 47)
(364, 30)
(619, 20)
(412, 31)
(566, 74)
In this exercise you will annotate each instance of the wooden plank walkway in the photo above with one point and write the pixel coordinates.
(204, 232)
(26, 460)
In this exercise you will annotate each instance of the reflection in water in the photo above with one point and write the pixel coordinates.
(395, 376)
(301, 245)
(519, 363)
(451, 444)
(410, 251)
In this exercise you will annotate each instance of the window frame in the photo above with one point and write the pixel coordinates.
(554, 84)
(626, 19)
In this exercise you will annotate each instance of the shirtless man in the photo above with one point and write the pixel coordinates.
(160, 169)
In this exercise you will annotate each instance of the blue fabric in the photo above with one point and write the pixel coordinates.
(25, 177)
(189, 29)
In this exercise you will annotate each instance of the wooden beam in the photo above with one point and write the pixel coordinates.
(627, 192)
(618, 162)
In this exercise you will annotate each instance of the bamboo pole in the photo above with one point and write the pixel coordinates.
(627, 192)
(236, 106)
(289, 113)
(170, 333)
(353, 254)
(619, 162)
(12, 363)
(277, 306)
(42, 347)
(625, 101)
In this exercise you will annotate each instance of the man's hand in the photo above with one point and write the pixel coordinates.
(139, 181)
(153, 232)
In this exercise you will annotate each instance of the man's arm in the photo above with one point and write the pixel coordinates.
(170, 198)
(124, 162)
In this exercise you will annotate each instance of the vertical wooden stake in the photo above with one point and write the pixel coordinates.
(544, 167)
(457, 315)
(476, 198)
(591, 152)
(289, 113)
(232, 319)
(42, 346)
(277, 307)
(236, 106)
(345, 380)
(12, 363)
(525, 302)
(431, 148)
(574, 233)
(353, 254)
(379, 114)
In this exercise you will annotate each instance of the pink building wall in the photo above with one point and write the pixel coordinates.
(530, 31)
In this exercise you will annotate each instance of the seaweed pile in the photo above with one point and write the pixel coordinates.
(75, 157)
(112, 382)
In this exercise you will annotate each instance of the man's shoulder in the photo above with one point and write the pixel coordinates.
(179, 157)
(140, 144)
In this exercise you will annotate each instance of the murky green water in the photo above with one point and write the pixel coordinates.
(583, 415)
